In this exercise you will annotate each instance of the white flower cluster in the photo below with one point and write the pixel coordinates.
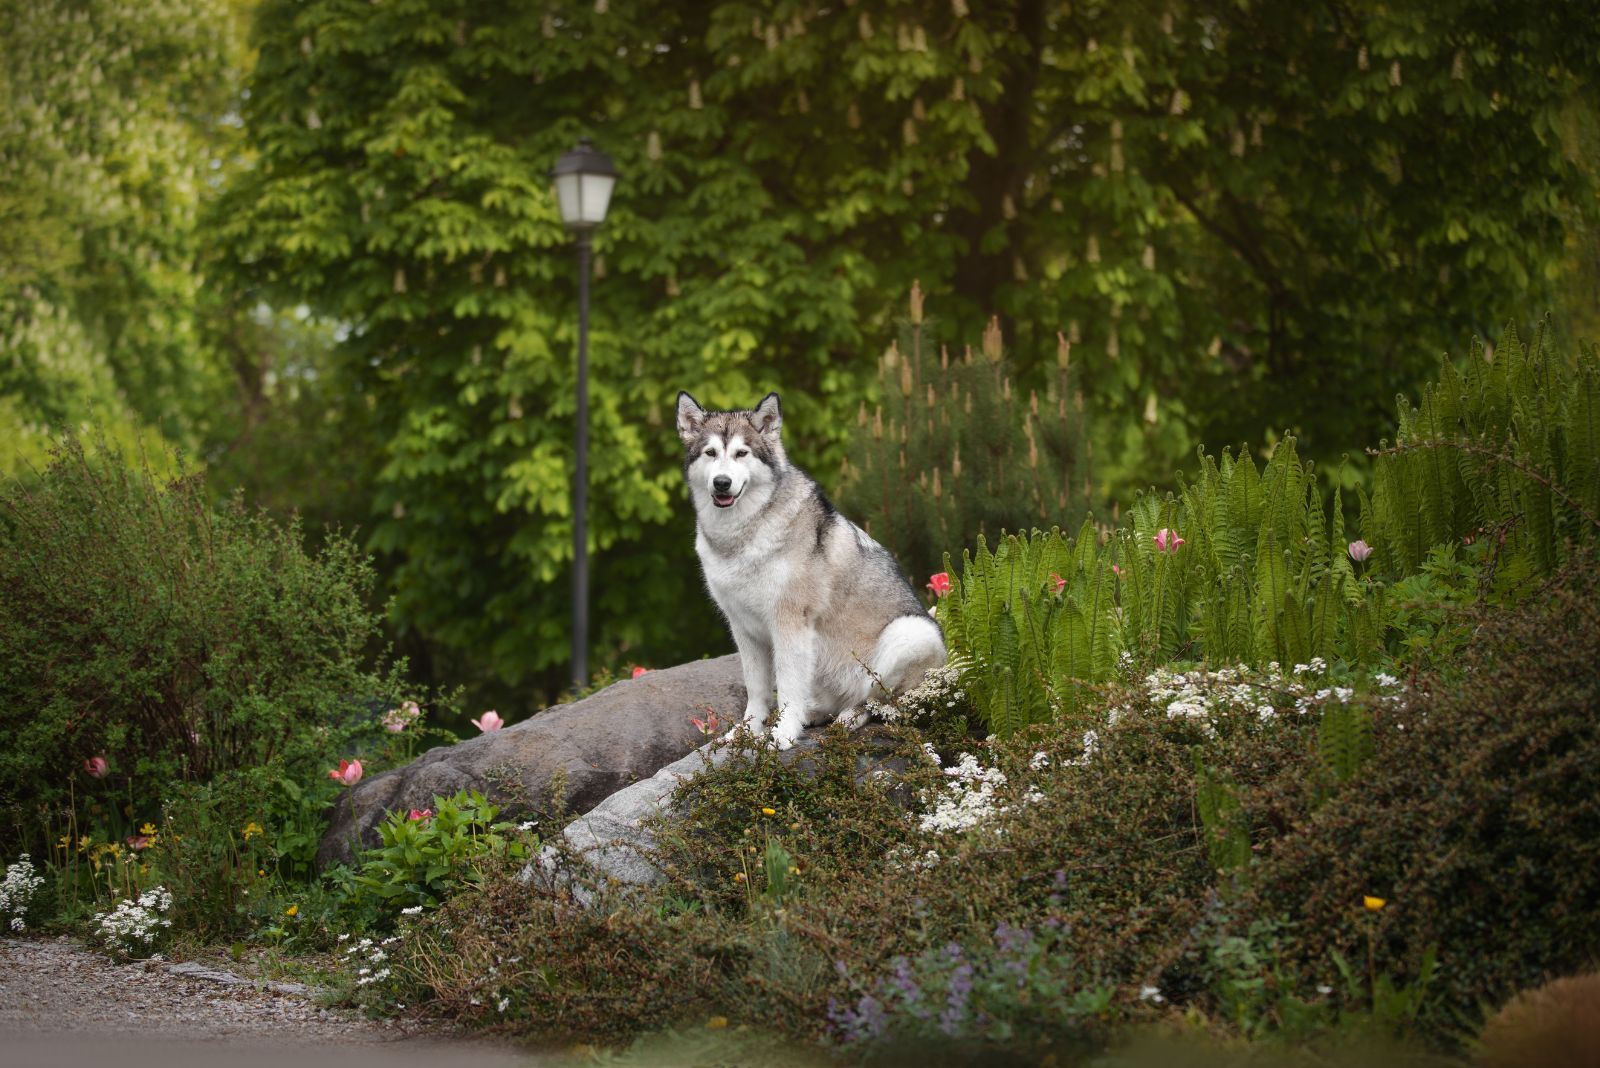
(369, 957)
(1206, 696)
(939, 691)
(134, 925)
(17, 890)
(967, 800)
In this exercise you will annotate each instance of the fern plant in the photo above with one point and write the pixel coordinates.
(1249, 564)
(1508, 449)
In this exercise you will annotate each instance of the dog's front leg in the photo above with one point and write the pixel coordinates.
(755, 659)
(795, 656)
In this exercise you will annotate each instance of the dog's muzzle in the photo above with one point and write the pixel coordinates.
(722, 494)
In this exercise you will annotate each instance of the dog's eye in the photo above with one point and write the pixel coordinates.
(741, 454)
(712, 453)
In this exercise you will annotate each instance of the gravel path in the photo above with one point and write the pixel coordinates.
(61, 1004)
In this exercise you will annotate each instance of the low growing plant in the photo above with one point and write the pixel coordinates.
(428, 855)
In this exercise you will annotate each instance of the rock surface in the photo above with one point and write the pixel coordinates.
(622, 735)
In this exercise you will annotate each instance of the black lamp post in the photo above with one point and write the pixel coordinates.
(584, 178)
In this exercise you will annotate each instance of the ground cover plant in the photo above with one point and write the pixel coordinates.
(1229, 852)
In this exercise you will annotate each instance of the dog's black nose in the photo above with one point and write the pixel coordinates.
(722, 484)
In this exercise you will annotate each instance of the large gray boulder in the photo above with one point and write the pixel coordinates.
(624, 734)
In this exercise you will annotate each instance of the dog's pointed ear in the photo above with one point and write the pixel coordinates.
(768, 416)
(690, 417)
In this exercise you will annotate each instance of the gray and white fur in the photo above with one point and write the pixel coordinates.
(819, 611)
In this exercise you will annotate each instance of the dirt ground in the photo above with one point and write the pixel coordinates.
(64, 1005)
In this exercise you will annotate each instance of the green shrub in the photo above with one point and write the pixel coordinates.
(173, 641)
(955, 449)
(1477, 819)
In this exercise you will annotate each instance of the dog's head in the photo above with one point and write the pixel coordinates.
(731, 456)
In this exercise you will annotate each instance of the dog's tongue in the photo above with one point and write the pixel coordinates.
(722, 500)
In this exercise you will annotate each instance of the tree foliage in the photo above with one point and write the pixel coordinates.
(114, 132)
(1273, 205)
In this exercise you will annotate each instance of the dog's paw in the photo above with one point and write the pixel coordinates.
(784, 735)
(756, 725)
(854, 718)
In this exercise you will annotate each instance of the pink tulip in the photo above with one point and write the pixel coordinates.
(1058, 582)
(1167, 540)
(421, 814)
(491, 721)
(1117, 571)
(1359, 551)
(640, 671)
(940, 583)
(96, 767)
(705, 726)
(348, 772)
(138, 841)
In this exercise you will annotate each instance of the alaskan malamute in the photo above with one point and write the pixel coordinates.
(817, 608)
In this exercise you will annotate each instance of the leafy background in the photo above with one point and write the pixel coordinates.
(312, 245)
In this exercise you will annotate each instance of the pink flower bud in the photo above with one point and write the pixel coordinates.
(940, 583)
(96, 767)
(421, 814)
(348, 772)
(490, 721)
(1359, 551)
(1057, 583)
(640, 671)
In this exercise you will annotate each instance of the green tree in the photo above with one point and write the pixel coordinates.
(114, 131)
(1240, 214)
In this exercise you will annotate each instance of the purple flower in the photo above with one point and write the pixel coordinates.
(955, 1007)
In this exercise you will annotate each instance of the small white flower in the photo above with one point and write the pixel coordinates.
(412, 911)
(1322, 989)
(1151, 993)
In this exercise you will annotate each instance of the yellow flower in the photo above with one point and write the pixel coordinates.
(794, 871)
(292, 910)
(1373, 904)
(83, 843)
(251, 829)
(716, 1023)
(769, 812)
(148, 828)
(64, 842)
(738, 876)
(261, 871)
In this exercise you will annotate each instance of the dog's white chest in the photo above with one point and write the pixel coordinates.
(746, 585)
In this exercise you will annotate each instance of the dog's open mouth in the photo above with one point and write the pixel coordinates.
(724, 500)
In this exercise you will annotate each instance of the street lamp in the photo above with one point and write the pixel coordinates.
(584, 178)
